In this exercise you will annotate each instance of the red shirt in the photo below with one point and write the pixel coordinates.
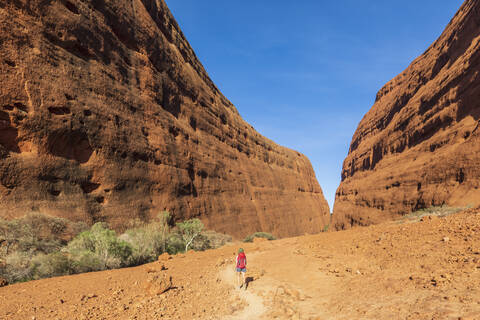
(241, 260)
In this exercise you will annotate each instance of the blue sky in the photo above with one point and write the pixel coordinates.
(304, 72)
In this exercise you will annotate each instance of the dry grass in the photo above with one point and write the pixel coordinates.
(438, 211)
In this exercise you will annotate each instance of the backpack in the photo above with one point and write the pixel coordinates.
(241, 260)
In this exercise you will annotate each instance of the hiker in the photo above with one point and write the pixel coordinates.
(241, 266)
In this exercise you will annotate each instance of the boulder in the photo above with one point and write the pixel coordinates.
(157, 284)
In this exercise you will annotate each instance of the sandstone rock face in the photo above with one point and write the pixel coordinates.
(106, 114)
(419, 145)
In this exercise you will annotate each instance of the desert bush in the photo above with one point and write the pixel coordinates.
(17, 267)
(101, 245)
(440, 211)
(265, 235)
(200, 243)
(8, 236)
(148, 241)
(86, 261)
(24, 236)
(37, 246)
(50, 265)
(44, 226)
(37, 233)
(189, 230)
(146, 244)
(175, 243)
(30, 245)
(210, 240)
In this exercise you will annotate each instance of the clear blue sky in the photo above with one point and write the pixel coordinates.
(304, 72)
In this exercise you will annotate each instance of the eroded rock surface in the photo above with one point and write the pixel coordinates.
(106, 114)
(419, 145)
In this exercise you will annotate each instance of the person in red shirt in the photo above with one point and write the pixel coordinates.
(241, 267)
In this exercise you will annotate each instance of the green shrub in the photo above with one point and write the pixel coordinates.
(265, 235)
(175, 244)
(148, 241)
(86, 261)
(38, 246)
(102, 245)
(146, 245)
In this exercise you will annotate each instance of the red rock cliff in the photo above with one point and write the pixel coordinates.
(106, 114)
(419, 145)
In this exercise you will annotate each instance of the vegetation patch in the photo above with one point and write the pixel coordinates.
(265, 235)
(39, 246)
(439, 211)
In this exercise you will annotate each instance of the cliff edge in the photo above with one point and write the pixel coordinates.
(419, 145)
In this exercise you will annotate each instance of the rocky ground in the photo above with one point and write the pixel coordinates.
(427, 269)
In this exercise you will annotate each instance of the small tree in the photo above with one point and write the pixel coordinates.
(189, 230)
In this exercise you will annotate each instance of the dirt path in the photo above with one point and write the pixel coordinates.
(424, 270)
(287, 291)
(255, 307)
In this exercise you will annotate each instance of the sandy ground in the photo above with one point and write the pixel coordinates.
(424, 270)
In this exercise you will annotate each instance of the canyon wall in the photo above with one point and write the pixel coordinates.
(106, 114)
(419, 145)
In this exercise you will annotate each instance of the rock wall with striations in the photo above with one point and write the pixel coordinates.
(419, 145)
(106, 114)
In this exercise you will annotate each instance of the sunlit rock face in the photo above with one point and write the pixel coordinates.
(419, 145)
(106, 114)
